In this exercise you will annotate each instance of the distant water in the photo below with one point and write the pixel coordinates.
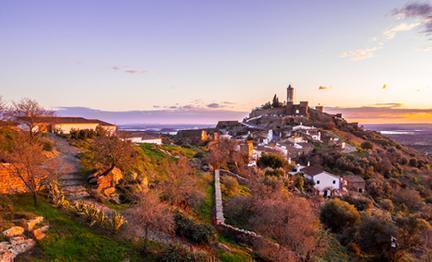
(401, 129)
(166, 129)
(418, 136)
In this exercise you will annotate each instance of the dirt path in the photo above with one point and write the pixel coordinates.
(72, 181)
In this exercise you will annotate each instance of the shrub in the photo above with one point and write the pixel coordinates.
(230, 186)
(337, 214)
(177, 253)
(366, 145)
(413, 162)
(193, 231)
(374, 236)
(278, 172)
(47, 146)
(272, 160)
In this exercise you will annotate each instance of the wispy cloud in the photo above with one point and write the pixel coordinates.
(324, 87)
(417, 10)
(421, 11)
(384, 113)
(388, 105)
(391, 33)
(215, 105)
(129, 70)
(360, 54)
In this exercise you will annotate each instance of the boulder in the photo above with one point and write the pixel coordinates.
(30, 224)
(13, 231)
(7, 256)
(22, 246)
(40, 233)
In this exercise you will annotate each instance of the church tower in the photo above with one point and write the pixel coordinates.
(290, 94)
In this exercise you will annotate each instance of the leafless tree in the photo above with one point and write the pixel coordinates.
(29, 164)
(290, 221)
(151, 215)
(28, 112)
(180, 186)
(109, 151)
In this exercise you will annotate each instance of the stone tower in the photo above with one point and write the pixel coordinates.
(290, 94)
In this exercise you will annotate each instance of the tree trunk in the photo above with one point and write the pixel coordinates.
(35, 199)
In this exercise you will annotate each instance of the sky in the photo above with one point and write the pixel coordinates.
(371, 60)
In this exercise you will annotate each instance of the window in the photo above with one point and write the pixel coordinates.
(317, 182)
(334, 181)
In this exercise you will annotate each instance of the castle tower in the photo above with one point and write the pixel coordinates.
(290, 94)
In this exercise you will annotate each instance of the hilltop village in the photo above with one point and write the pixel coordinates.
(287, 183)
(291, 130)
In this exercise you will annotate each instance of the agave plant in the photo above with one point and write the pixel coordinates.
(116, 221)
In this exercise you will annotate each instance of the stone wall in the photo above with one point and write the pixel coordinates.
(10, 184)
(241, 235)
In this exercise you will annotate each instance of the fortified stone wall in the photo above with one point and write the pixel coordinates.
(270, 111)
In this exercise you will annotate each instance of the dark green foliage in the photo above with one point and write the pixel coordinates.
(337, 215)
(366, 145)
(275, 102)
(193, 231)
(374, 236)
(361, 203)
(47, 146)
(83, 134)
(271, 160)
(275, 172)
(413, 162)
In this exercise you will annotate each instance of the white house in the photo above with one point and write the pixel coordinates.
(325, 182)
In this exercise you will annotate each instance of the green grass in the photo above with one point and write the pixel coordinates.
(152, 151)
(179, 150)
(205, 211)
(230, 257)
(69, 240)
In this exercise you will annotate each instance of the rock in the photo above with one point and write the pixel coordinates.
(30, 224)
(13, 231)
(40, 233)
(22, 246)
(7, 256)
(109, 191)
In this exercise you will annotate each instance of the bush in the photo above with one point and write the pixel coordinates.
(374, 236)
(337, 214)
(177, 253)
(47, 146)
(230, 186)
(366, 145)
(272, 160)
(194, 232)
(278, 172)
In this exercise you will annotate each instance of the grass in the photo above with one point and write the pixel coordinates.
(179, 150)
(152, 152)
(205, 211)
(69, 240)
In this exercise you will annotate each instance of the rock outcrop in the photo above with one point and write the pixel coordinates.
(17, 242)
(104, 183)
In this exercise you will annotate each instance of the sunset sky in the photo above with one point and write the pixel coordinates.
(371, 60)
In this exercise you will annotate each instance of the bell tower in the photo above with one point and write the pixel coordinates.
(290, 94)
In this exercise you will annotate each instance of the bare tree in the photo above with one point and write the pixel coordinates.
(151, 214)
(28, 112)
(29, 164)
(290, 221)
(180, 186)
(2, 108)
(109, 151)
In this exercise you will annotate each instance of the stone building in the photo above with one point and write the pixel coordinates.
(301, 109)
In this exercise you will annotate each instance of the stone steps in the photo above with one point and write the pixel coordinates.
(71, 182)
